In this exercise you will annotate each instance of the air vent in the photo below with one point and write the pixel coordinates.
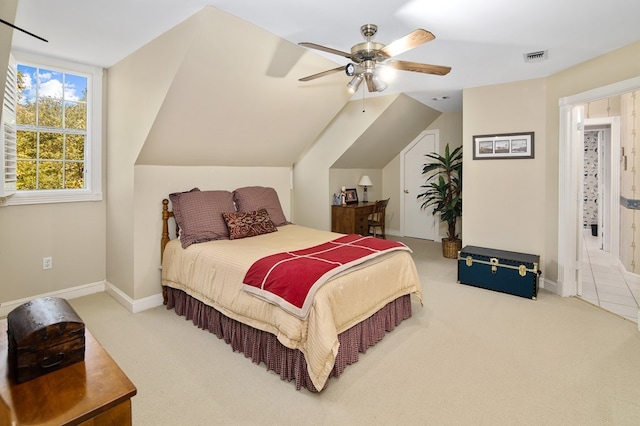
(538, 56)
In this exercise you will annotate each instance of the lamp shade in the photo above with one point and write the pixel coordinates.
(365, 181)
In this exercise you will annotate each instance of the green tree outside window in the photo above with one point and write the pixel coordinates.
(51, 126)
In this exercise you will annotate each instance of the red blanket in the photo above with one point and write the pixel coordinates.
(290, 279)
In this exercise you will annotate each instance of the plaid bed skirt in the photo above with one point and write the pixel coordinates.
(262, 346)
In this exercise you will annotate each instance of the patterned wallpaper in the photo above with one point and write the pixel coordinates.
(590, 183)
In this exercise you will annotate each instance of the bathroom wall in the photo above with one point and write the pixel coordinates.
(590, 181)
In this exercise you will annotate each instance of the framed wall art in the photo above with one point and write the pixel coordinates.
(504, 145)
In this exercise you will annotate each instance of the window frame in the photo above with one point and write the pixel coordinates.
(93, 146)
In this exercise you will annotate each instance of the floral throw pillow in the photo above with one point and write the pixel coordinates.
(248, 224)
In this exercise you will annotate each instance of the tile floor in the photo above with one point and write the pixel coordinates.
(604, 285)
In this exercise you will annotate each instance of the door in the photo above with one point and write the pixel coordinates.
(608, 184)
(418, 222)
(570, 207)
(577, 125)
(601, 188)
(604, 183)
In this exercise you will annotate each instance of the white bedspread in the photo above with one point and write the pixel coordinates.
(212, 272)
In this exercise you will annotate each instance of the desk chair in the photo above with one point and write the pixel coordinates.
(376, 220)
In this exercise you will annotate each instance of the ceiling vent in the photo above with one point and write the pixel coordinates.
(539, 56)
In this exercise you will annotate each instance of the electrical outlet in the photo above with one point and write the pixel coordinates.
(47, 262)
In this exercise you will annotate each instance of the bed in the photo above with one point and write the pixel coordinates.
(221, 235)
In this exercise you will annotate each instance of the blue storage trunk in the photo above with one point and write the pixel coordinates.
(499, 270)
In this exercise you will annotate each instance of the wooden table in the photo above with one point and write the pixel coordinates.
(92, 392)
(352, 218)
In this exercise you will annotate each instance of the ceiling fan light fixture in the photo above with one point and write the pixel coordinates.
(353, 69)
(378, 83)
(371, 61)
(386, 73)
(355, 83)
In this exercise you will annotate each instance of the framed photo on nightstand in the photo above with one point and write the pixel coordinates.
(351, 196)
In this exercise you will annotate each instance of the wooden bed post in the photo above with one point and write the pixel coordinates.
(166, 214)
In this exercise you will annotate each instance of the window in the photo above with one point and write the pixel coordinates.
(58, 131)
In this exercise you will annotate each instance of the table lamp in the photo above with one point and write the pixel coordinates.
(365, 181)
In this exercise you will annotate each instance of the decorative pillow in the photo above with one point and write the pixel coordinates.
(253, 198)
(249, 224)
(199, 215)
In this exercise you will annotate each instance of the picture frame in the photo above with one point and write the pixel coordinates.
(503, 146)
(351, 196)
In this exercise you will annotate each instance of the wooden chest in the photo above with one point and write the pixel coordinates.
(44, 335)
(499, 270)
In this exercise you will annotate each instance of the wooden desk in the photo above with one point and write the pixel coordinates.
(92, 392)
(352, 218)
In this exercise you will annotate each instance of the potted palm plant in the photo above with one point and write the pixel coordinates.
(443, 191)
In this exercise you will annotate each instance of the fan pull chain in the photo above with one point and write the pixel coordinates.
(363, 98)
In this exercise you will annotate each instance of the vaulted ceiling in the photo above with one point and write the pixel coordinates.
(483, 41)
(235, 98)
(210, 109)
(230, 113)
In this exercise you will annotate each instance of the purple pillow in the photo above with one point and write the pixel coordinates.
(199, 215)
(253, 198)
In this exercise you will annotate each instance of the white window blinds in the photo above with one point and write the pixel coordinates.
(8, 133)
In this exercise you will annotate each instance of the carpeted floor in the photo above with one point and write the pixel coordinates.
(467, 357)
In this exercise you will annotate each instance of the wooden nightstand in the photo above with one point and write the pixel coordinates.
(92, 392)
(352, 218)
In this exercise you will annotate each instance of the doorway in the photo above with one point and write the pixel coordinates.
(603, 284)
(571, 231)
(597, 180)
(415, 221)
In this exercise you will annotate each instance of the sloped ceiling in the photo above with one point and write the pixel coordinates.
(397, 126)
(236, 99)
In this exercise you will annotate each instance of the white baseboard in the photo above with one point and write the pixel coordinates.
(630, 277)
(394, 232)
(67, 293)
(134, 306)
(549, 285)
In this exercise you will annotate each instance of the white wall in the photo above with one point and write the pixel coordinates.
(73, 234)
(449, 126)
(154, 183)
(350, 178)
(502, 199)
(312, 191)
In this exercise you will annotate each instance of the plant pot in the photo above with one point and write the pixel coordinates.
(450, 248)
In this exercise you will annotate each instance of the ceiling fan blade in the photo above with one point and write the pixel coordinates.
(325, 49)
(417, 67)
(24, 31)
(321, 74)
(407, 42)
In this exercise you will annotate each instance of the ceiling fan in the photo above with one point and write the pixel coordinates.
(24, 31)
(368, 55)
